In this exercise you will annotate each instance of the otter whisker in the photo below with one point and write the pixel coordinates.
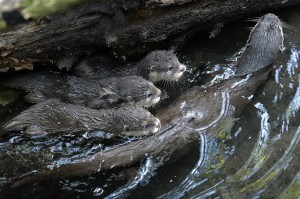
(253, 19)
(176, 83)
(167, 84)
(285, 25)
(156, 106)
(182, 79)
(248, 28)
(164, 83)
(173, 84)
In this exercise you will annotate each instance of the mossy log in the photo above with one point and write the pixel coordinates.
(121, 26)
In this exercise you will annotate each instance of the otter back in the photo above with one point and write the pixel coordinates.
(53, 116)
(93, 93)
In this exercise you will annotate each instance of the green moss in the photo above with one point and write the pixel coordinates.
(2, 26)
(41, 8)
(7, 97)
(223, 127)
(293, 190)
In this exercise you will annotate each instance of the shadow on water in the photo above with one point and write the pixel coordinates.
(258, 158)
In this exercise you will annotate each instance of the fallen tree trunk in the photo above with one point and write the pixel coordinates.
(208, 111)
(122, 26)
(120, 156)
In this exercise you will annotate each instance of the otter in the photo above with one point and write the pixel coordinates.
(263, 45)
(206, 109)
(53, 116)
(159, 65)
(92, 93)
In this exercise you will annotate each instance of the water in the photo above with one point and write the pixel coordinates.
(258, 158)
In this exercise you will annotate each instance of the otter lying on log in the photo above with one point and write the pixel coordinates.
(200, 109)
(92, 93)
(159, 65)
(53, 116)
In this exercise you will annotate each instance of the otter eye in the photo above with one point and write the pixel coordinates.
(171, 68)
(149, 95)
(146, 126)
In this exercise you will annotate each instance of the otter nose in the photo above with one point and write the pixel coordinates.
(182, 68)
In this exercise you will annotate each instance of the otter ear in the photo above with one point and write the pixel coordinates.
(109, 95)
(129, 98)
(152, 68)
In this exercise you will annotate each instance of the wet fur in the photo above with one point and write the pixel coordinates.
(263, 46)
(157, 66)
(53, 116)
(201, 107)
(92, 93)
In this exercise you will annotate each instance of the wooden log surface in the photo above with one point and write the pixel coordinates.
(121, 26)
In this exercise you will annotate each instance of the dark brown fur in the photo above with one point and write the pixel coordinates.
(92, 93)
(263, 46)
(53, 116)
(159, 65)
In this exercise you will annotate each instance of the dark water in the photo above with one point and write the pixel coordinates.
(258, 158)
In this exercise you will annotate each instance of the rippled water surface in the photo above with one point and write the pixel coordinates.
(258, 158)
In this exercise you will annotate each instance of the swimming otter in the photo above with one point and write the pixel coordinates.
(53, 116)
(208, 110)
(204, 106)
(159, 65)
(92, 93)
(263, 46)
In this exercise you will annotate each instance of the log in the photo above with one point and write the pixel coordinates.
(219, 106)
(123, 27)
(118, 157)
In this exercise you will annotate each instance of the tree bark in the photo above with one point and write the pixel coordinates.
(120, 156)
(122, 26)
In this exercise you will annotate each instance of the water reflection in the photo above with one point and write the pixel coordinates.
(274, 155)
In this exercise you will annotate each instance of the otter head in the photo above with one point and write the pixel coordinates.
(264, 44)
(134, 121)
(136, 90)
(161, 65)
(268, 30)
